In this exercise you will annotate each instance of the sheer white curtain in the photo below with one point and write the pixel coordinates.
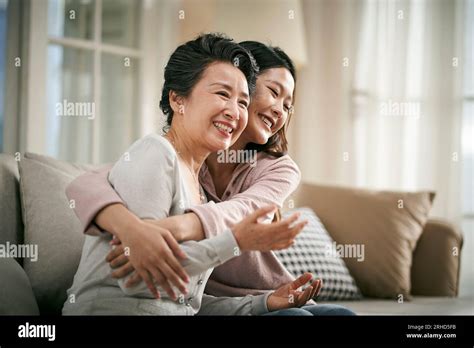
(407, 125)
(384, 108)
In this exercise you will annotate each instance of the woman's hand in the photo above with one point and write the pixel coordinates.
(152, 252)
(289, 296)
(250, 234)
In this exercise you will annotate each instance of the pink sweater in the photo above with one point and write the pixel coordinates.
(270, 181)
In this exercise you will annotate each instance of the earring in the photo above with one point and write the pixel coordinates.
(181, 109)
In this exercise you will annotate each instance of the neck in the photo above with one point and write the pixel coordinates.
(217, 168)
(191, 155)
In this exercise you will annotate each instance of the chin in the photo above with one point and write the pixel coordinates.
(220, 145)
(261, 139)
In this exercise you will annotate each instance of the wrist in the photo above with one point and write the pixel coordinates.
(188, 227)
(269, 303)
(123, 223)
(238, 239)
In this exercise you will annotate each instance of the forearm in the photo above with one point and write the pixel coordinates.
(248, 305)
(186, 227)
(116, 219)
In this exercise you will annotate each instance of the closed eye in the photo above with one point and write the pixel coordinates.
(223, 93)
(274, 92)
(244, 104)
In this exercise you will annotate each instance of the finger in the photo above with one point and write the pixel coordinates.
(173, 278)
(149, 283)
(304, 297)
(307, 294)
(161, 280)
(133, 280)
(284, 245)
(295, 230)
(175, 265)
(178, 269)
(301, 280)
(115, 252)
(320, 287)
(286, 223)
(115, 241)
(262, 212)
(167, 287)
(174, 246)
(285, 234)
(316, 287)
(123, 271)
(119, 261)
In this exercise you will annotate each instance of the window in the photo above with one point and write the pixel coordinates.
(94, 56)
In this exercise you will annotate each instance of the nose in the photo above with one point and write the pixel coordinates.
(232, 110)
(277, 111)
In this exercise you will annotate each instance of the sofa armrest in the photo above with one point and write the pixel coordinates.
(16, 294)
(436, 260)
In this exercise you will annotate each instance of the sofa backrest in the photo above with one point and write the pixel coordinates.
(11, 225)
(440, 244)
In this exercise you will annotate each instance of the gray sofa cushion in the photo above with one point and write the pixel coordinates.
(51, 225)
(11, 228)
(16, 295)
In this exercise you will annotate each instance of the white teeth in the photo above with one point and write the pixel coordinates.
(266, 121)
(223, 127)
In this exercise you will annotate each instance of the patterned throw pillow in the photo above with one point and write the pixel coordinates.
(315, 251)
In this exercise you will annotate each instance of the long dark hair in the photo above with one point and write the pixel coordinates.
(188, 62)
(268, 57)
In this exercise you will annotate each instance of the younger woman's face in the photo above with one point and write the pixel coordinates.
(270, 106)
(215, 113)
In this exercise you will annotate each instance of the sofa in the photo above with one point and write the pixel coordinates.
(434, 274)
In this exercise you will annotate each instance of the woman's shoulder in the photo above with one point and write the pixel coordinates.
(152, 146)
(154, 141)
(267, 161)
(150, 152)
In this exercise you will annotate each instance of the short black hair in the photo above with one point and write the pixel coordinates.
(189, 61)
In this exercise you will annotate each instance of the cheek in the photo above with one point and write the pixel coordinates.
(281, 123)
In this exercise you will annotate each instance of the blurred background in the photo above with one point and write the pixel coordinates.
(385, 90)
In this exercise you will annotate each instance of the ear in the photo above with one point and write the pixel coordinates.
(176, 103)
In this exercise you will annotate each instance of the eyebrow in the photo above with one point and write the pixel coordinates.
(229, 88)
(281, 87)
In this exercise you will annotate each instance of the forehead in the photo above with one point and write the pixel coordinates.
(280, 76)
(224, 72)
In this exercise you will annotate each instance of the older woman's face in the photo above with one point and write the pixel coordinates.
(270, 105)
(216, 110)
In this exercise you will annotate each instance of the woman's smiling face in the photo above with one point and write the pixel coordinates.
(215, 113)
(270, 106)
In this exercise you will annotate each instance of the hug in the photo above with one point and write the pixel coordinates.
(170, 229)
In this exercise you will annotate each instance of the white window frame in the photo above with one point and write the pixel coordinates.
(32, 135)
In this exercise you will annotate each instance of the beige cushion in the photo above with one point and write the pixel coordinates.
(52, 225)
(372, 219)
